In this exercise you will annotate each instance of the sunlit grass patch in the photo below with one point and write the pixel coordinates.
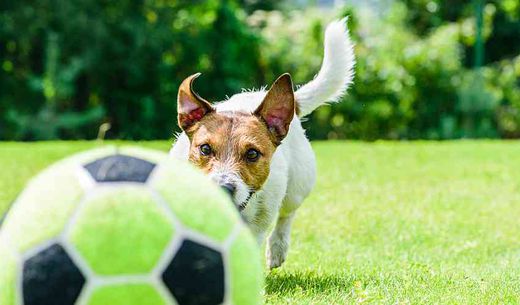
(388, 223)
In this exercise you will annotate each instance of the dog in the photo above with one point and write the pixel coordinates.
(254, 146)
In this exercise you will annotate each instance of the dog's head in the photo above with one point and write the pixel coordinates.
(236, 148)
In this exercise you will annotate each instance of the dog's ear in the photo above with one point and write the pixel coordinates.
(277, 108)
(191, 108)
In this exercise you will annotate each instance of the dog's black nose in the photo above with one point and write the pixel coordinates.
(229, 188)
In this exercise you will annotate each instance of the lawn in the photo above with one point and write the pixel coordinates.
(417, 223)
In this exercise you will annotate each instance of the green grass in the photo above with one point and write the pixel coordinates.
(388, 223)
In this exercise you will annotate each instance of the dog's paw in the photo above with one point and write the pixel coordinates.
(274, 262)
(276, 253)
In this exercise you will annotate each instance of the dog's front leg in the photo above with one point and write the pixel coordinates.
(278, 243)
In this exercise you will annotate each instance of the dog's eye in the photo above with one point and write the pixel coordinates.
(252, 155)
(205, 150)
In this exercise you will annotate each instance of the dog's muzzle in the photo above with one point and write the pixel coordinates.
(229, 189)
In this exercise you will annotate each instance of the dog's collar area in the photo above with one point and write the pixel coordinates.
(243, 205)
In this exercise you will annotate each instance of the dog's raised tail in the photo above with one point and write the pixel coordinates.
(336, 73)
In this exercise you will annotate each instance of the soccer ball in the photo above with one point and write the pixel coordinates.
(126, 226)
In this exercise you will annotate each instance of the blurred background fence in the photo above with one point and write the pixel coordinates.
(67, 66)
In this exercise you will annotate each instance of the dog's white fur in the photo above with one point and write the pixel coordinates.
(293, 167)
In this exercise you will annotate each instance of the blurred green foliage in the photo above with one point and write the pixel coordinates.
(68, 66)
(119, 61)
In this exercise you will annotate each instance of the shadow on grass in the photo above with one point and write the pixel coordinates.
(308, 281)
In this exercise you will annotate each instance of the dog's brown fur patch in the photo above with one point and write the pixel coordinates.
(230, 136)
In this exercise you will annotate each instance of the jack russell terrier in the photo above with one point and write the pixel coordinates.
(254, 146)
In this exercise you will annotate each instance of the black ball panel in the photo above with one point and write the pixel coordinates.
(196, 275)
(118, 168)
(51, 278)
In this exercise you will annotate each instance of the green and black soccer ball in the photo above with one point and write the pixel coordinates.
(126, 226)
